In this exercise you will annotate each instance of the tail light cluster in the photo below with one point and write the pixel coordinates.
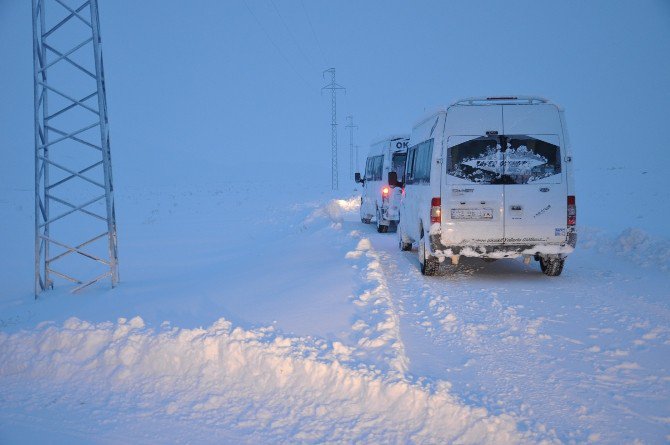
(436, 210)
(385, 192)
(572, 211)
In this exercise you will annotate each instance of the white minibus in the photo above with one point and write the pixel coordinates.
(379, 200)
(491, 178)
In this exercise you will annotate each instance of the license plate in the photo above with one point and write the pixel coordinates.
(471, 213)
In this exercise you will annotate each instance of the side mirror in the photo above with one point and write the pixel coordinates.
(393, 179)
(357, 177)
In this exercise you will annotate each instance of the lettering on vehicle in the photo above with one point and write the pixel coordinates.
(461, 191)
(510, 240)
(401, 144)
(510, 165)
(560, 231)
(524, 240)
(542, 211)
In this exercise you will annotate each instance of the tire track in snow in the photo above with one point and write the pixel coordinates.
(376, 328)
(508, 339)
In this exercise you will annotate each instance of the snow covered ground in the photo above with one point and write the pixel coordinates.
(257, 313)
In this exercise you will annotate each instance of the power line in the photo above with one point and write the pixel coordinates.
(311, 26)
(281, 53)
(290, 33)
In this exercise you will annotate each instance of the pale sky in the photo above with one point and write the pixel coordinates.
(200, 92)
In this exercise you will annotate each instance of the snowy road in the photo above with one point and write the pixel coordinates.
(305, 325)
(586, 355)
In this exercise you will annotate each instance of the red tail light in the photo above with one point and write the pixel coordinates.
(436, 210)
(572, 211)
(385, 191)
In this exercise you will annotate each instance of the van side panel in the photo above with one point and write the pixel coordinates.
(415, 206)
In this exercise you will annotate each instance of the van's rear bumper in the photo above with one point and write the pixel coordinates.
(390, 212)
(503, 250)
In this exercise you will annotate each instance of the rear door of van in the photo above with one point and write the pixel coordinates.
(536, 193)
(472, 193)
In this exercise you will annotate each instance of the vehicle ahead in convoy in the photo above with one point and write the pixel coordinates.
(490, 178)
(380, 201)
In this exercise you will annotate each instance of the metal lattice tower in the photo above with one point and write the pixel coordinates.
(333, 87)
(75, 223)
(351, 126)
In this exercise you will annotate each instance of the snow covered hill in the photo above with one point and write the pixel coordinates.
(250, 313)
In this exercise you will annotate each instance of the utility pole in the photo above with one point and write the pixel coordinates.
(75, 222)
(357, 158)
(333, 87)
(351, 127)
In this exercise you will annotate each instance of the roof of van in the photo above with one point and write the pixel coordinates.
(490, 100)
(391, 137)
(498, 100)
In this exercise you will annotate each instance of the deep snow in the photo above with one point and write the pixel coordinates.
(252, 313)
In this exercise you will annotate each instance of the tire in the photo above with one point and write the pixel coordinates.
(381, 228)
(551, 266)
(430, 265)
(393, 226)
(402, 245)
(364, 220)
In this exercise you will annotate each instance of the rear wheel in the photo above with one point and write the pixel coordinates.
(381, 228)
(551, 266)
(402, 245)
(364, 216)
(393, 226)
(429, 264)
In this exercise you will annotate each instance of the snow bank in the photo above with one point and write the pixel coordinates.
(377, 328)
(633, 243)
(227, 379)
(335, 211)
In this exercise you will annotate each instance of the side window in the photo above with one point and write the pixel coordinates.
(368, 169)
(398, 165)
(422, 161)
(409, 167)
(379, 163)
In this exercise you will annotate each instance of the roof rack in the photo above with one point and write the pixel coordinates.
(528, 100)
(389, 137)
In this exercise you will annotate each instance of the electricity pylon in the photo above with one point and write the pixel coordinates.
(351, 127)
(333, 87)
(75, 223)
